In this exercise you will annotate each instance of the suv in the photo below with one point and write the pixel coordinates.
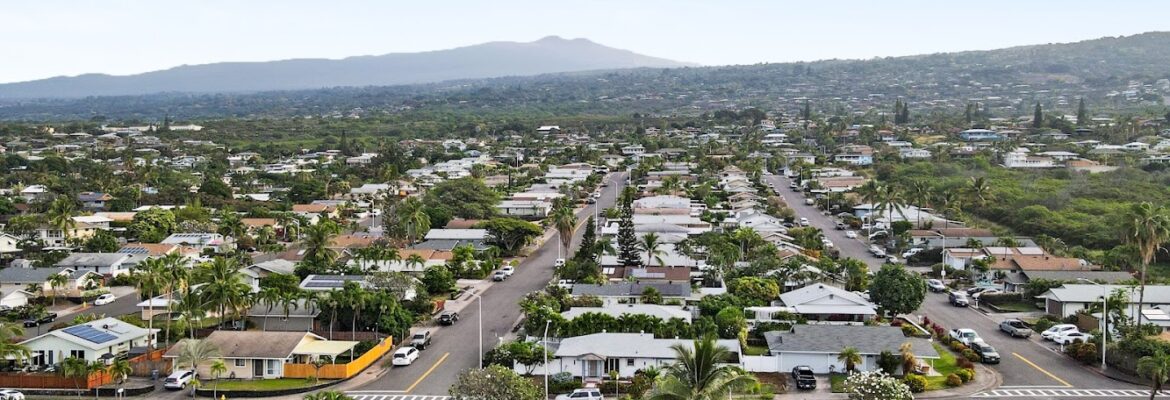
(178, 380)
(958, 299)
(47, 318)
(448, 318)
(499, 276)
(987, 354)
(583, 394)
(1057, 330)
(404, 356)
(936, 285)
(803, 375)
(421, 339)
(1016, 328)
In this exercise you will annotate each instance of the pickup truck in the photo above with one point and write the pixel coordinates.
(1016, 328)
(964, 335)
(803, 376)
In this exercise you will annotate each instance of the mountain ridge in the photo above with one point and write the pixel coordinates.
(551, 54)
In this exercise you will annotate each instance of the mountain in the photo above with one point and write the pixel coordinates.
(495, 59)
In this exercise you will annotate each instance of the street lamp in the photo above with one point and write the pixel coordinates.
(544, 349)
(1104, 318)
(479, 304)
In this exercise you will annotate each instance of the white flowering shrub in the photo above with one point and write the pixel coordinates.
(876, 385)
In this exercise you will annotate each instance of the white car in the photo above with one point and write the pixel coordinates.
(509, 270)
(405, 356)
(583, 394)
(105, 299)
(9, 394)
(566, 284)
(851, 234)
(178, 379)
(828, 243)
(892, 260)
(988, 291)
(964, 335)
(804, 222)
(1070, 337)
(911, 252)
(936, 285)
(1057, 330)
(559, 262)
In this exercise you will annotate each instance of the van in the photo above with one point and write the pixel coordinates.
(421, 339)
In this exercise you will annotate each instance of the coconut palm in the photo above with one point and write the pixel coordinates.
(288, 302)
(191, 310)
(850, 357)
(1156, 367)
(356, 299)
(224, 291)
(919, 194)
(416, 261)
(195, 352)
(980, 191)
(269, 297)
(57, 281)
(565, 221)
(8, 346)
(698, 375)
(1148, 227)
(177, 278)
(653, 246)
(412, 213)
(317, 242)
(60, 215)
(120, 370)
(218, 368)
(150, 283)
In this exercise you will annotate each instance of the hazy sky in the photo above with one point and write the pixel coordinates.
(44, 38)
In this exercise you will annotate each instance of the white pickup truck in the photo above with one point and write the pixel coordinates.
(964, 335)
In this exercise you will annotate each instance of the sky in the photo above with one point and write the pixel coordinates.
(46, 38)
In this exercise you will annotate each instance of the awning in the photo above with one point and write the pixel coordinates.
(331, 348)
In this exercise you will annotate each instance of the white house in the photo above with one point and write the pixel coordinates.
(1069, 299)
(821, 302)
(593, 356)
(817, 346)
(99, 340)
(9, 244)
(529, 209)
(109, 264)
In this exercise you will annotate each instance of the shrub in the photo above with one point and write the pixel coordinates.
(964, 363)
(1042, 325)
(970, 355)
(966, 374)
(888, 362)
(1086, 353)
(876, 385)
(909, 330)
(958, 346)
(917, 383)
(954, 380)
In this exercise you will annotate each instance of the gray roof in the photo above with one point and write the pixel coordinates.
(1087, 293)
(448, 244)
(28, 275)
(832, 338)
(629, 345)
(1071, 276)
(330, 282)
(279, 266)
(632, 289)
(250, 344)
(300, 310)
(93, 259)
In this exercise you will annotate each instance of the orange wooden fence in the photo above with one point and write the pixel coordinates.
(53, 381)
(340, 371)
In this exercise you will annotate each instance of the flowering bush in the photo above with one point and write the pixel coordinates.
(954, 380)
(970, 355)
(876, 385)
(916, 383)
(966, 374)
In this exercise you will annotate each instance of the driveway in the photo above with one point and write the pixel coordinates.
(1027, 364)
(456, 347)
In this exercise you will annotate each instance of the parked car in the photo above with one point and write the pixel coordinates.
(1057, 330)
(973, 290)
(47, 318)
(104, 299)
(448, 318)
(559, 262)
(851, 234)
(566, 284)
(892, 260)
(9, 394)
(803, 221)
(591, 200)
(827, 243)
(1070, 337)
(964, 335)
(583, 394)
(509, 270)
(178, 379)
(405, 356)
(421, 339)
(987, 354)
(1016, 328)
(810, 201)
(958, 299)
(911, 252)
(936, 285)
(803, 376)
(841, 226)
(988, 291)
(499, 276)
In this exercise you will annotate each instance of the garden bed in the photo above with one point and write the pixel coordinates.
(945, 365)
(262, 387)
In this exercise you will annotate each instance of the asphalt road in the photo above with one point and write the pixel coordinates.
(455, 348)
(124, 304)
(1026, 363)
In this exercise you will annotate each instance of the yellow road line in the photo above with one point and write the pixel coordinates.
(428, 373)
(1037, 367)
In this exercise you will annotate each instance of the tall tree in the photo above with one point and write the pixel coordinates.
(565, 222)
(317, 243)
(1147, 227)
(1082, 113)
(588, 249)
(1156, 367)
(896, 290)
(700, 373)
(60, 216)
(1038, 117)
(652, 244)
(628, 251)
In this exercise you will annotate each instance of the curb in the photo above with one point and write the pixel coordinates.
(995, 381)
(1113, 377)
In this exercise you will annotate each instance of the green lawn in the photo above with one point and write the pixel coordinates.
(755, 350)
(945, 365)
(260, 384)
(837, 383)
(1019, 306)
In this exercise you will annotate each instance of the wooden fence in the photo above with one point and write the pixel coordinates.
(340, 371)
(142, 365)
(53, 381)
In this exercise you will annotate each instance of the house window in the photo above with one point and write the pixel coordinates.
(629, 362)
(272, 367)
(612, 364)
(239, 362)
(80, 354)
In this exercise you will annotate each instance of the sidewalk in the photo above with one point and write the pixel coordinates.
(985, 379)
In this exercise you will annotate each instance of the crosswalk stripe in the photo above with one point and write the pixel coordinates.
(394, 396)
(1110, 393)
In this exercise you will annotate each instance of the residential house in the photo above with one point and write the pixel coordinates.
(818, 346)
(13, 296)
(525, 209)
(200, 241)
(824, 303)
(94, 200)
(100, 340)
(271, 317)
(647, 274)
(662, 312)
(29, 279)
(631, 292)
(1070, 299)
(107, 264)
(325, 283)
(854, 155)
(980, 135)
(260, 270)
(952, 237)
(1017, 280)
(9, 244)
(593, 356)
(262, 355)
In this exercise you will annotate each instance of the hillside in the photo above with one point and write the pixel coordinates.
(1111, 73)
(549, 55)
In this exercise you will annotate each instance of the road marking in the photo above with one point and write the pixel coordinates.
(428, 373)
(1037, 367)
(1063, 393)
(388, 395)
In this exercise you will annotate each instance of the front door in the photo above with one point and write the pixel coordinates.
(257, 368)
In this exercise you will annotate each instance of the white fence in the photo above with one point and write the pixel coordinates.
(760, 364)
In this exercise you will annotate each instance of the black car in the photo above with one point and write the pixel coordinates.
(47, 318)
(448, 318)
(803, 376)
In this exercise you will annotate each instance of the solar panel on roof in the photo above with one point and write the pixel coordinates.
(87, 332)
(133, 250)
(325, 284)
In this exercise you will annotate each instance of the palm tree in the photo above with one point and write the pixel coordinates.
(60, 215)
(650, 242)
(605, 246)
(76, 368)
(416, 261)
(270, 297)
(1147, 227)
(177, 277)
(56, 282)
(1157, 368)
(150, 283)
(288, 302)
(565, 222)
(317, 242)
(218, 368)
(8, 346)
(356, 299)
(195, 352)
(120, 370)
(850, 357)
(698, 376)
(191, 309)
(980, 191)
(919, 194)
(224, 289)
